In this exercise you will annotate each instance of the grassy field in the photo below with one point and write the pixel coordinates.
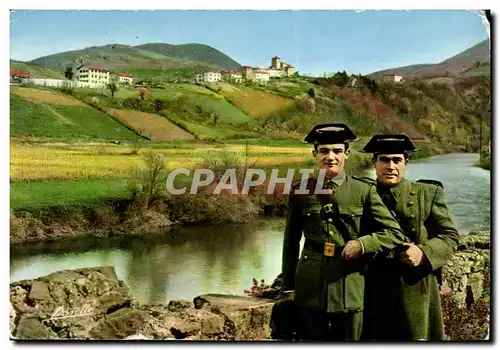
(59, 173)
(38, 195)
(42, 119)
(226, 112)
(154, 126)
(256, 103)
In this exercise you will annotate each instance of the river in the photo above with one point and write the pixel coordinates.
(188, 261)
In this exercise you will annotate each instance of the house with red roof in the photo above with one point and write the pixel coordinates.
(122, 78)
(17, 75)
(93, 74)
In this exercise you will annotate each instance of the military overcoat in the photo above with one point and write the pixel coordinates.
(404, 302)
(332, 284)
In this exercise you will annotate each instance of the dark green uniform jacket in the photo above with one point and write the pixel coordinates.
(406, 301)
(332, 284)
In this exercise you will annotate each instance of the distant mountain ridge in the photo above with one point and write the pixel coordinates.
(146, 56)
(472, 61)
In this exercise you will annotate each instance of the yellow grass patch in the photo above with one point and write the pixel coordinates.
(57, 161)
(256, 103)
(159, 128)
(50, 97)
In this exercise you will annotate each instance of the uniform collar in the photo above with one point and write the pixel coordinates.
(396, 190)
(338, 180)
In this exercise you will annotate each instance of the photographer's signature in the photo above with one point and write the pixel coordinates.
(62, 312)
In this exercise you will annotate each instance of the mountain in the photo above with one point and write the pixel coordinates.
(193, 52)
(147, 56)
(473, 61)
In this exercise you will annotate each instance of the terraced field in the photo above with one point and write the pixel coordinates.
(68, 119)
(158, 128)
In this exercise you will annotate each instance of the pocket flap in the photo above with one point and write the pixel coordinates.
(353, 211)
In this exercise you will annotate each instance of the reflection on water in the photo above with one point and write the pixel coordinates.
(180, 264)
(185, 262)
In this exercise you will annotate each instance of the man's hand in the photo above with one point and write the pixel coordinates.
(352, 250)
(413, 255)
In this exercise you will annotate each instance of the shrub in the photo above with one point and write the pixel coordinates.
(149, 181)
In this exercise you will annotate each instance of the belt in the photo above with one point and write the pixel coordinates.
(319, 247)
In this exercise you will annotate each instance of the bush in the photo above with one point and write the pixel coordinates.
(67, 88)
(148, 184)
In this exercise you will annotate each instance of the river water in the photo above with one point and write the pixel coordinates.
(188, 261)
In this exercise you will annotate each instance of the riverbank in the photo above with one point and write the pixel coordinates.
(484, 163)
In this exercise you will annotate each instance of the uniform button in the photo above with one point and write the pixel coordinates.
(308, 214)
(410, 203)
(413, 230)
(412, 193)
(305, 256)
(412, 216)
(330, 220)
(353, 215)
(331, 232)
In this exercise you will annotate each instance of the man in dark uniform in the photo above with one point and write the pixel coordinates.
(402, 288)
(341, 229)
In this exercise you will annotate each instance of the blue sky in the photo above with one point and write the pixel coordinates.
(313, 41)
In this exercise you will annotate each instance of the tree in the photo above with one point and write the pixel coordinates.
(311, 93)
(143, 93)
(68, 73)
(113, 88)
(159, 105)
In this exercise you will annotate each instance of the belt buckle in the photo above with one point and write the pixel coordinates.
(329, 249)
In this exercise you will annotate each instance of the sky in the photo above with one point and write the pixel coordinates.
(313, 41)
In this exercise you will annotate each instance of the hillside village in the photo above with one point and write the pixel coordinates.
(277, 69)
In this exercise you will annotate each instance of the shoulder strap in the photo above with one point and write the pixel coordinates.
(367, 180)
(432, 182)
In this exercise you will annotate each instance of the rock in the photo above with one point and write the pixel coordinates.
(12, 319)
(120, 324)
(32, 328)
(475, 282)
(179, 305)
(39, 291)
(69, 303)
(182, 330)
(245, 317)
(212, 325)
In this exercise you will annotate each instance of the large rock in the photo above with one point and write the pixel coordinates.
(67, 304)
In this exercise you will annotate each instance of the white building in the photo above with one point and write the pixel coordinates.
(125, 78)
(92, 74)
(232, 76)
(208, 76)
(262, 76)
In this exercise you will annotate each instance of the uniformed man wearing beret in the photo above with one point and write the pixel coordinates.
(403, 291)
(341, 229)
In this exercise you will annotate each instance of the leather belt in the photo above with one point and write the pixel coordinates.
(319, 247)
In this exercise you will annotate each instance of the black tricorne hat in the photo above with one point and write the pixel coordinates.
(330, 133)
(396, 143)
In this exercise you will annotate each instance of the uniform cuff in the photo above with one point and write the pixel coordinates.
(369, 243)
(362, 246)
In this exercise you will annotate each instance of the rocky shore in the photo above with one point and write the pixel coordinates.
(91, 303)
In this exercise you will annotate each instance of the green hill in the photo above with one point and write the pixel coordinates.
(464, 63)
(124, 57)
(193, 52)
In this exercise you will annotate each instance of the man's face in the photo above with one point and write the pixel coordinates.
(390, 168)
(331, 158)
